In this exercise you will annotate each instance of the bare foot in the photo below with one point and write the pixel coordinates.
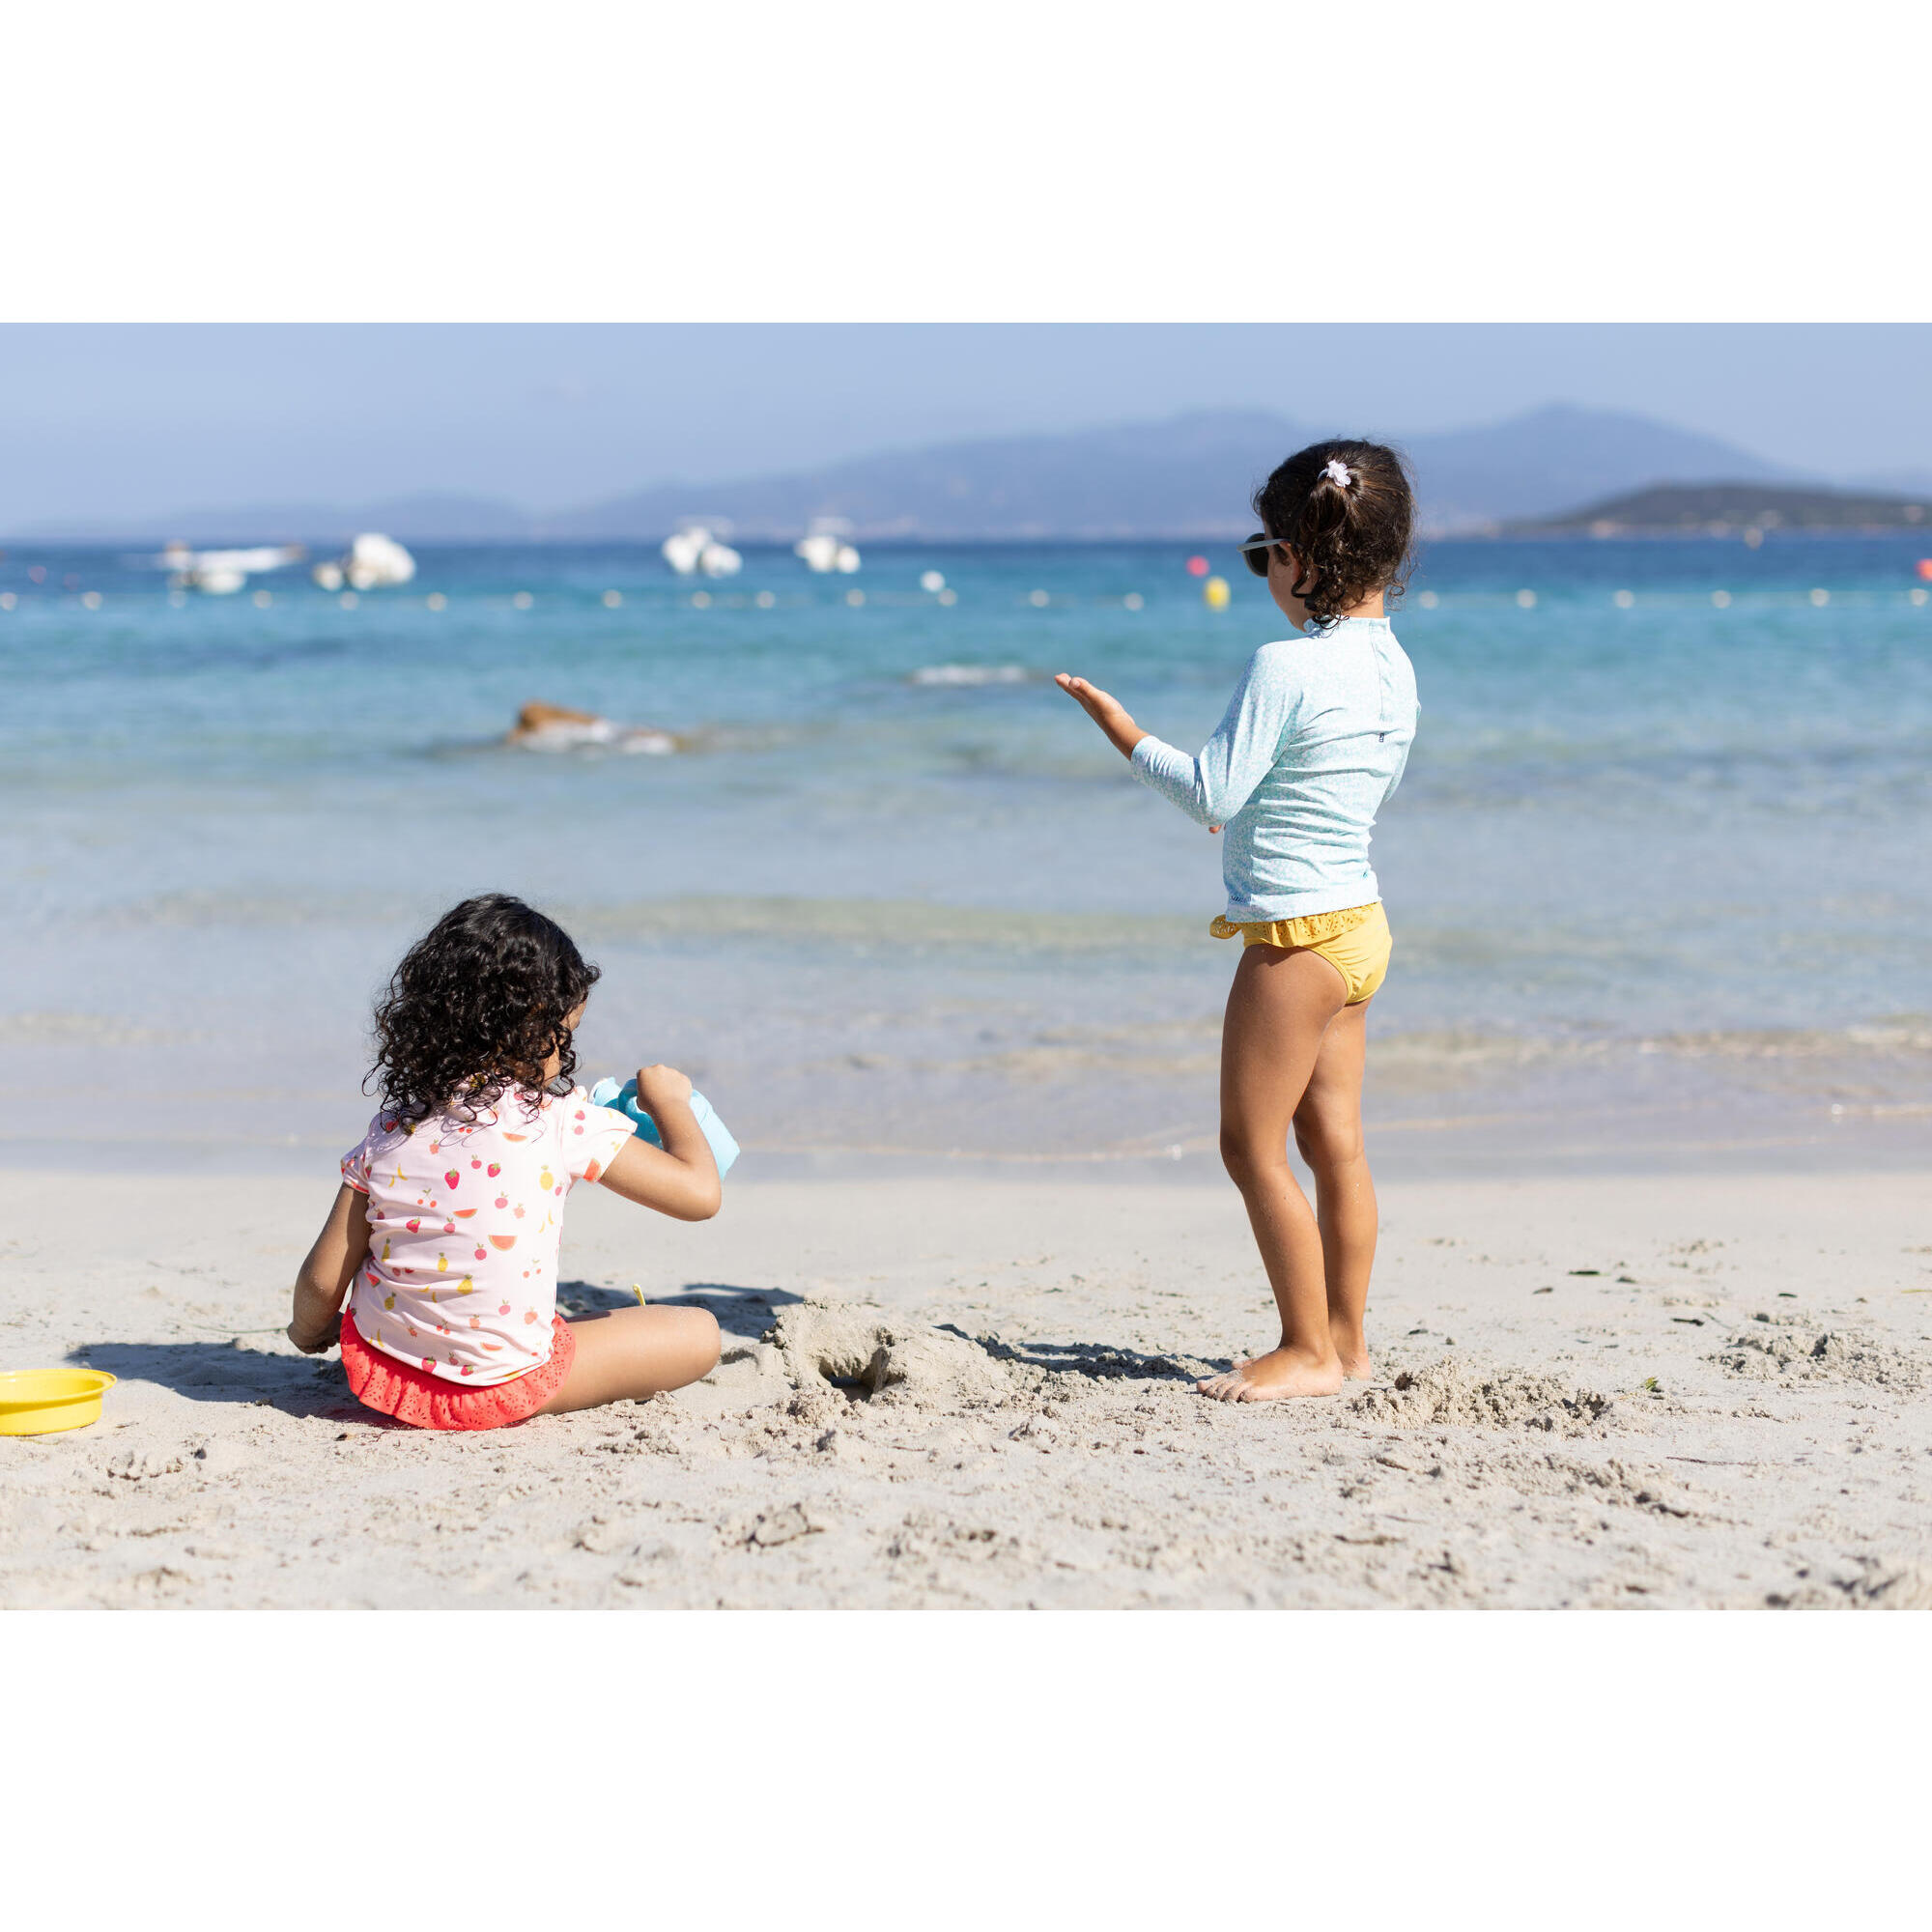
(1273, 1378)
(1355, 1365)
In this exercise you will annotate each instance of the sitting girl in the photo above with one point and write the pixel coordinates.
(450, 1213)
(1313, 742)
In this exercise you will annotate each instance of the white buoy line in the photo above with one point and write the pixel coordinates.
(1817, 599)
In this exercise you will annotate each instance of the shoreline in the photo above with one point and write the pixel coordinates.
(1042, 1445)
(1477, 1144)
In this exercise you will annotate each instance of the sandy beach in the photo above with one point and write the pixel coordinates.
(957, 1390)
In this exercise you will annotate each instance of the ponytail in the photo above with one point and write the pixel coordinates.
(1348, 512)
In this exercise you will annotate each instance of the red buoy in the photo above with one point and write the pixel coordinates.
(1196, 566)
(1925, 568)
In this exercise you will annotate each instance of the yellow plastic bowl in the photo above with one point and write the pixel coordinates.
(36, 1402)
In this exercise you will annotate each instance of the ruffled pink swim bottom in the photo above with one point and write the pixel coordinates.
(379, 1382)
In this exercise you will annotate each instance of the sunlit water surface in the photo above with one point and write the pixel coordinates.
(1658, 872)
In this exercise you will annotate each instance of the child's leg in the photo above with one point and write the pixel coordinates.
(1278, 1009)
(1328, 1130)
(633, 1352)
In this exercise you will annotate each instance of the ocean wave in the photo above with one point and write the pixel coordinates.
(974, 674)
(624, 741)
(82, 1030)
(627, 741)
(1902, 1037)
(912, 926)
(263, 909)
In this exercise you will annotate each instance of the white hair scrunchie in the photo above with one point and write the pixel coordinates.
(1338, 472)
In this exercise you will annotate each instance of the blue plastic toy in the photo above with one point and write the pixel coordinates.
(724, 1149)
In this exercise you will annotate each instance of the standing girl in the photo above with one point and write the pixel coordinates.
(446, 1229)
(1313, 740)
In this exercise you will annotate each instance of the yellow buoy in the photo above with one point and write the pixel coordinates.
(1214, 593)
(37, 1402)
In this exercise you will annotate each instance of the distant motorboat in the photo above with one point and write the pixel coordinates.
(371, 563)
(691, 550)
(824, 548)
(220, 573)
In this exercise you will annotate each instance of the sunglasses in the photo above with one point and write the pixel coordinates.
(1255, 552)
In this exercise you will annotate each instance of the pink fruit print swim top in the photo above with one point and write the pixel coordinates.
(465, 1219)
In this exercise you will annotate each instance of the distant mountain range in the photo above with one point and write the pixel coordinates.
(1186, 477)
(1722, 508)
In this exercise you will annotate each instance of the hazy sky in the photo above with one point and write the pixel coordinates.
(125, 420)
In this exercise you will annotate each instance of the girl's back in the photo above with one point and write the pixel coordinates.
(1304, 833)
(464, 1214)
(1314, 739)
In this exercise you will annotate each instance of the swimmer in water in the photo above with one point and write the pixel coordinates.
(557, 727)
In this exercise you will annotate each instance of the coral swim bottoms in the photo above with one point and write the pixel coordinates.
(379, 1382)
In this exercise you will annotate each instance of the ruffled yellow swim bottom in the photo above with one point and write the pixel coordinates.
(1357, 943)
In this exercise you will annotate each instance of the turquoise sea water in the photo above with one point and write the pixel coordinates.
(1658, 872)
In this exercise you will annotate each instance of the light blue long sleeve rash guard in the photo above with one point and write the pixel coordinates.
(1315, 738)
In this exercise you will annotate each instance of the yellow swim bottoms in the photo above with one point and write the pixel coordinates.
(1357, 943)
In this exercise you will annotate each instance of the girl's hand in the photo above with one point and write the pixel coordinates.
(660, 1086)
(1105, 710)
(1091, 699)
(316, 1342)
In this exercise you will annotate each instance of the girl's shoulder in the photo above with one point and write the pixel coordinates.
(1278, 653)
(1287, 660)
(384, 1129)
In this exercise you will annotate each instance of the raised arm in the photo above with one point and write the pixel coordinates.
(679, 1179)
(1213, 787)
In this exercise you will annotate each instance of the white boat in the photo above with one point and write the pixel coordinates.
(824, 548)
(220, 573)
(371, 563)
(691, 550)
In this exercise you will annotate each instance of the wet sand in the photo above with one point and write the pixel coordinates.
(971, 1392)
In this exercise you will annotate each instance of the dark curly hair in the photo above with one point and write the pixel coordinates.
(480, 1002)
(1350, 540)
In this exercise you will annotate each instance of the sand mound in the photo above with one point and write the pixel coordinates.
(1771, 1349)
(1907, 1589)
(1858, 1583)
(1449, 1391)
(872, 1353)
